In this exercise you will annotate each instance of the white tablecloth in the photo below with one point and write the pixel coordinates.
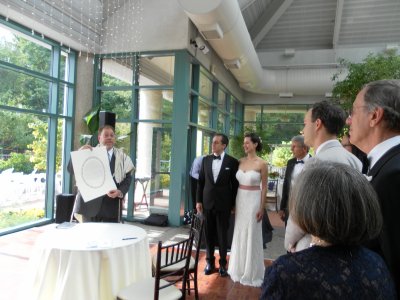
(87, 261)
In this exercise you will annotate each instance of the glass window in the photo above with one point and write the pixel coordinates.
(203, 145)
(23, 159)
(24, 51)
(118, 102)
(117, 72)
(153, 163)
(232, 127)
(252, 113)
(64, 71)
(221, 100)
(278, 132)
(123, 132)
(23, 91)
(221, 122)
(284, 113)
(205, 87)
(156, 70)
(65, 95)
(156, 104)
(233, 106)
(204, 114)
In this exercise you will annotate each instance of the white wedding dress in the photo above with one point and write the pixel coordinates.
(246, 263)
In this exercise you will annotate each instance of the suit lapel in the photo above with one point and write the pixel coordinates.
(383, 160)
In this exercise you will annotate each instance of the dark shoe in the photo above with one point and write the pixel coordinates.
(209, 269)
(222, 271)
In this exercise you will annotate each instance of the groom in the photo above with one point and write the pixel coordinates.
(216, 195)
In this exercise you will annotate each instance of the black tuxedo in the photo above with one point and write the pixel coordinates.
(286, 185)
(386, 182)
(218, 199)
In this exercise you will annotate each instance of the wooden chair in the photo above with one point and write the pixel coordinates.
(272, 192)
(159, 287)
(196, 228)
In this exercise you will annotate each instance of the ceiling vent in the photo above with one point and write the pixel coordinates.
(232, 64)
(211, 32)
(285, 95)
(289, 52)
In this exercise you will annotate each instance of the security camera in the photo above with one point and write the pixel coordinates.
(199, 43)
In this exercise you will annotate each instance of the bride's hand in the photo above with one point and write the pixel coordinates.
(260, 215)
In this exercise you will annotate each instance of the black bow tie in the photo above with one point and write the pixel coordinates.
(300, 162)
(216, 156)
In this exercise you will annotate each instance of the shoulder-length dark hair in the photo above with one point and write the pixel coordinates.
(336, 203)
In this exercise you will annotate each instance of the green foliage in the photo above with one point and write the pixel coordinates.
(39, 145)
(281, 155)
(15, 134)
(16, 217)
(119, 102)
(91, 119)
(19, 161)
(165, 181)
(236, 143)
(18, 89)
(374, 67)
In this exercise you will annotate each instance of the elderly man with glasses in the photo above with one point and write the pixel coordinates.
(375, 129)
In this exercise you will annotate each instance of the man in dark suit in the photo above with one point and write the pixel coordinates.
(293, 168)
(375, 129)
(107, 208)
(216, 195)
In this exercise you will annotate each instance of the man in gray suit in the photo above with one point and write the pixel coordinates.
(322, 124)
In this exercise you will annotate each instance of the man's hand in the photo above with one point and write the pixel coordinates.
(115, 194)
(282, 215)
(84, 147)
(199, 207)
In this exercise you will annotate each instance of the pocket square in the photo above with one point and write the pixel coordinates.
(227, 168)
(369, 178)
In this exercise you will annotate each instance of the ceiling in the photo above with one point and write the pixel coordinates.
(276, 25)
(284, 47)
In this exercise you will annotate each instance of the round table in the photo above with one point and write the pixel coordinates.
(88, 261)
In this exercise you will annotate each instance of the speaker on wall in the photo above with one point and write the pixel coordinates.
(106, 118)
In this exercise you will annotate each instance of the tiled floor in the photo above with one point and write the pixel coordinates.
(15, 251)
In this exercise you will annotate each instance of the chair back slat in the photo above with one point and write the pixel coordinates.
(173, 254)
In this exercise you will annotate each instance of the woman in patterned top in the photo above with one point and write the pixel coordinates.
(339, 208)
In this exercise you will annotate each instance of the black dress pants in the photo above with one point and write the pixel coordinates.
(216, 225)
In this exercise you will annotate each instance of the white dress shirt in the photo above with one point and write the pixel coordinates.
(216, 166)
(299, 167)
(379, 150)
(110, 154)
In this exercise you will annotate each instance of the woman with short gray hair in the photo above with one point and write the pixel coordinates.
(338, 207)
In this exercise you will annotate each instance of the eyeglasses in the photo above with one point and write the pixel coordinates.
(351, 113)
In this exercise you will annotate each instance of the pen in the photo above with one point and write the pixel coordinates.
(128, 238)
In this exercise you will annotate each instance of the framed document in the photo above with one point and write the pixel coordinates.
(92, 172)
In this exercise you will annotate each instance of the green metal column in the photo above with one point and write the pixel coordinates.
(179, 149)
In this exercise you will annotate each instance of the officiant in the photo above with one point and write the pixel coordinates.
(107, 207)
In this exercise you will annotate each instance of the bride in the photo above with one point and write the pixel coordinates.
(246, 264)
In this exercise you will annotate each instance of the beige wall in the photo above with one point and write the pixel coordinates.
(84, 95)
